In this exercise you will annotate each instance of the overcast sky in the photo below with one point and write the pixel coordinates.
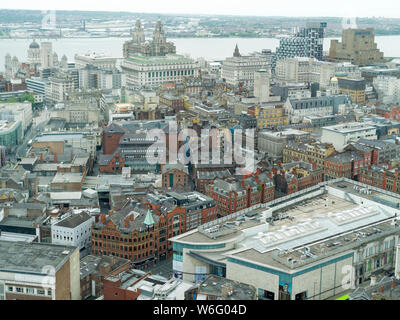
(304, 8)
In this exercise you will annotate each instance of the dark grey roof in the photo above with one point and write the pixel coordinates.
(34, 45)
(211, 175)
(177, 166)
(74, 220)
(22, 257)
(344, 157)
(137, 224)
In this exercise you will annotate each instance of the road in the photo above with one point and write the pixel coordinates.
(163, 268)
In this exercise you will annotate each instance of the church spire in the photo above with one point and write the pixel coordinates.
(236, 53)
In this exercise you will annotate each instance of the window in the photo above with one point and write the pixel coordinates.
(40, 292)
(30, 291)
(20, 290)
(49, 292)
(10, 289)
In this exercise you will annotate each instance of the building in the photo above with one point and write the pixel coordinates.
(342, 134)
(384, 178)
(347, 164)
(175, 176)
(172, 101)
(295, 176)
(297, 109)
(93, 271)
(21, 111)
(78, 113)
(204, 178)
(130, 141)
(97, 60)
(387, 88)
(386, 288)
(46, 55)
(34, 54)
(57, 142)
(302, 251)
(214, 287)
(233, 194)
(358, 47)
(36, 85)
(261, 85)
(240, 69)
(183, 211)
(272, 143)
(91, 77)
(355, 88)
(38, 271)
(154, 70)
(10, 134)
(304, 70)
(58, 88)
(73, 230)
(292, 91)
(307, 42)
(157, 47)
(139, 285)
(269, 116)
(383, 151)
(130, 233)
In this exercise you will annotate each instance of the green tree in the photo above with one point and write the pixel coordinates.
(28, 97)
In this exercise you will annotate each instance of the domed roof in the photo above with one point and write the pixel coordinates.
(34, 45)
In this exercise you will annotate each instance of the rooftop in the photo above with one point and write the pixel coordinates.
(74, 220)
(31, 258)
(275, 234)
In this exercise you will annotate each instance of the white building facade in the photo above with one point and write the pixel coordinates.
(342, 134)
(74, 230)
(241, 69)
(154, 70)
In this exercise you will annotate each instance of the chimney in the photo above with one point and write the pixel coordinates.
(41, 157)
(128, 219)
(382, 288)
(102, 218)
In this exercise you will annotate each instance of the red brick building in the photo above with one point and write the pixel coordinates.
(175, 176)
(233, 195)
(117, 287)
(174, 102)
(111, 163)
(204, 178)
(111, 138)
(347, 164)
(296, 176)
(94, 269)
(384, 178)
(141, 235)
(192, 209)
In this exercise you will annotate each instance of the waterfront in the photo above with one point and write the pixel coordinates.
(209, 48)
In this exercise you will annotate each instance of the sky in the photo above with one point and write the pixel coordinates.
(298, 8)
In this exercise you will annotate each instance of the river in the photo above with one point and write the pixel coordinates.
(209, 48)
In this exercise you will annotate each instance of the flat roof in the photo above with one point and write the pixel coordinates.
(68, 177)
(22, 257)
(331, 210)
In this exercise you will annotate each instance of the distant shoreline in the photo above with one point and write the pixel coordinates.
(189, 37)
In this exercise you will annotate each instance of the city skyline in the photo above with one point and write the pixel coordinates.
(311, 8)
